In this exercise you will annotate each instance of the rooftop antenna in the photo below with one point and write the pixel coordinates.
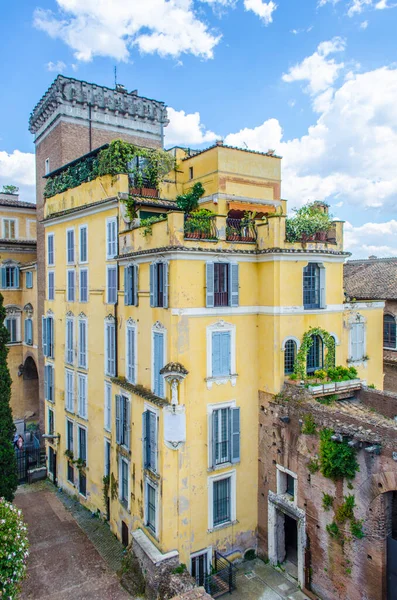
(245, 145)
(115, 77)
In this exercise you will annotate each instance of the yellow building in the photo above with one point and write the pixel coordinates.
(157, 338)
(18, 285)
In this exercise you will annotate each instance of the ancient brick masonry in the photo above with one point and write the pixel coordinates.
(333, 569)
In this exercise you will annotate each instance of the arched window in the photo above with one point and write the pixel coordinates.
(315, 356)
(389, 331)
(311, 286)
(289, 356)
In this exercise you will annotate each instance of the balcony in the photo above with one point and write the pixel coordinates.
(201, 227)
(334, 387)
(240, 230)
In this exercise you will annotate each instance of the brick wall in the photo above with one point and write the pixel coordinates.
(354, 569)
(383, 402)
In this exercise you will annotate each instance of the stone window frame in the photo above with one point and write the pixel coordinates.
(232, 474)
(281, 480)
(353, 320)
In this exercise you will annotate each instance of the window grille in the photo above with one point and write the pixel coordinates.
(315, 355)
(221, 500)
(311, 286)
(389, 331)
(151, 507)
(289, 356)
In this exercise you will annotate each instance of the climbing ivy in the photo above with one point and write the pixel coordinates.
(307, 342)
(337, 459)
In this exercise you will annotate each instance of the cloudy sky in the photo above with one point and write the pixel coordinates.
(316, 80)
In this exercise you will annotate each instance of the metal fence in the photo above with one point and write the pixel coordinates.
(28, 459)
(223, 579)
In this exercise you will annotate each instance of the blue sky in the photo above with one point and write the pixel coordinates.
(316, 80)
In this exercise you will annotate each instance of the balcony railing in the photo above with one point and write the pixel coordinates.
(223, 579)
(334, 387)
(202, 228)
(240, 230)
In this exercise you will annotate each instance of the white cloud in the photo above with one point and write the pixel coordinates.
(379, 239)
(102, 28)
(357, 6)
(348, 154)
(318, 70)
(364, 25)
(18, 168)
(382, 4)
(186, 129)
(264, 10)
(57, 67)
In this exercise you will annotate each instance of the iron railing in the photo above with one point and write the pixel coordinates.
(223, 578)
(28, 459)
(240, 230)
(200, 228)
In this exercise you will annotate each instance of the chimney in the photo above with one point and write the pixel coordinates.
(219, 142)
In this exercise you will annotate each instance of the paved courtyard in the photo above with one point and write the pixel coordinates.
(258, 581)
(63, 561)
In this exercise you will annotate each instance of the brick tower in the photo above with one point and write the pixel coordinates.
(73, 118)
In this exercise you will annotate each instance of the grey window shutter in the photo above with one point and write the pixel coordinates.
(3, 277)
(44, 335)
(216, 354)
(153, 440)
(145, 438)
(225, 362)
(127, 285)
(210, 284)
(50, 383)
(235, 434)
(158, 364)
(128, 424)
(46, 382)
(17, 277)
(153, 284)
(233, 284)
(165, 285)
(322, 288)
(118, 428)
(135, 285)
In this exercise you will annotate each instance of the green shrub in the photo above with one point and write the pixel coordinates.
(327, 400)
(148, 223)
(371, 386)
(309, 425)
(345, 512)
(320, 374)
(341, 373)
(337, 459)
(308, 220)
(356, 528)
(14, 550)
(313, 465)
(333, 530)
(179, 569)
(327, 501)
(189, 201)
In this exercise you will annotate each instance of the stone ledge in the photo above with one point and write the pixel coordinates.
(150, 549)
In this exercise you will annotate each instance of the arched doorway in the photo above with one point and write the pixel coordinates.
(30, 388)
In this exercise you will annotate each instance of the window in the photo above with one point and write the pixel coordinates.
(130, 352)
(82, 395)
(50, 423)
(70, 292)
(29, 332)
(159, 285)
(222, 281)
(190, 172)
(82, 344)
(200, 566)
(49, 383)
(290, 486)
(110, 348)
(224, 436)
(222, 499)
(51, 285)
(150, 440)
(69, 390)
(357, 341)
(111, 237)
(158, 363)
(315, 355)
(48, 336)
(46, 166)
(123, 416)
(29, 280)
(70, 246)
(9, 277)
(151, 506)
(108, 406)
(11, 324)
(83, 291)
(221, 359)
(286, 483)
(82, 437)
(289, 356)
(389, 331)
(69, 446)
(313, 286)
(111, 287)
(69, 342)
(50, 250)
(9, 229)
(131, 285)
(83, 246)
(123, 475)
(107, 458)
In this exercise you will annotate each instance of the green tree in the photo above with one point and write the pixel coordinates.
(8, 465)
(10, 189)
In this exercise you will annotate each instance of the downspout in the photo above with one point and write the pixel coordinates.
(89, 128)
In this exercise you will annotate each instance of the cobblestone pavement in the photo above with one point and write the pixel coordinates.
(72, 554)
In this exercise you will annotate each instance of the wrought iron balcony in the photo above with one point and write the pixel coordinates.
(240, 230)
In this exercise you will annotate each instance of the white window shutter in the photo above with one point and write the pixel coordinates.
(233, 284)
(209, 284)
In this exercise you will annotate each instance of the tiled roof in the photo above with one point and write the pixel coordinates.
(196, 152)
(19, 242)
(157, 202)
(139, 390)
(371, 279)
(17, 203)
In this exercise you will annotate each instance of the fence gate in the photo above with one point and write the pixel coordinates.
(27, 459)
(391, 569)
